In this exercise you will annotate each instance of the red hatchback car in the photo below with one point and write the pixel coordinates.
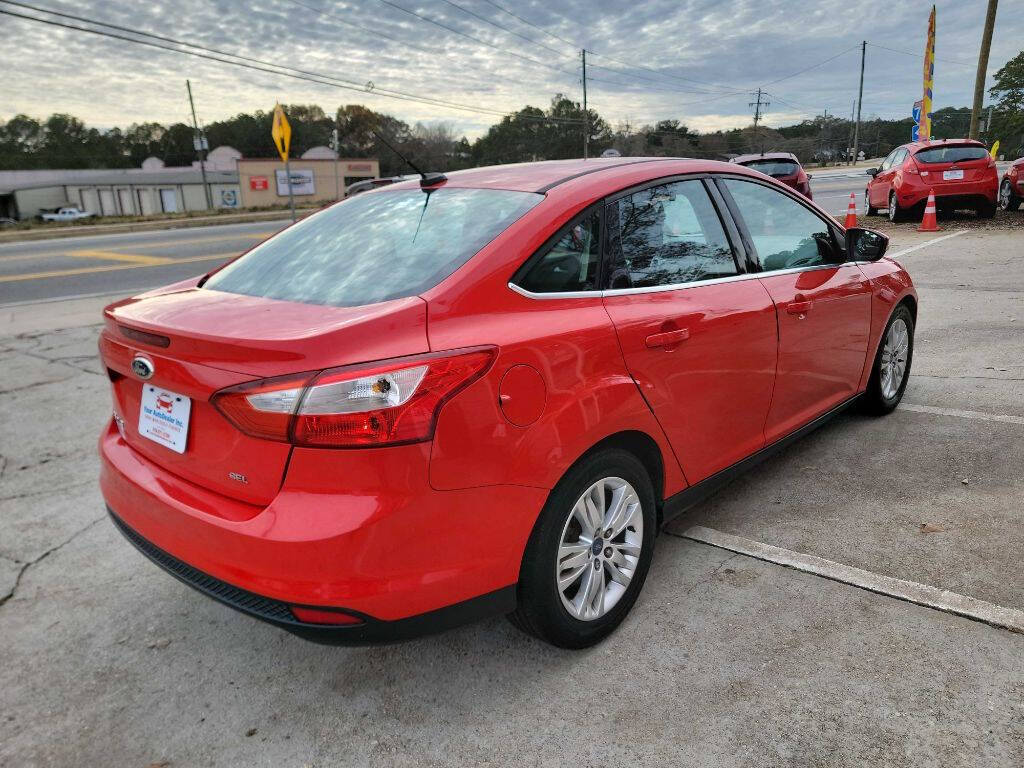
(783, 166)
(1011, 189)
(960, 171)
(484, 394)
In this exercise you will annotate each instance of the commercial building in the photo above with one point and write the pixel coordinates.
(263, 182)
(127, 192)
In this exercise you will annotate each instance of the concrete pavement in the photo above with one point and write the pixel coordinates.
(725, 661)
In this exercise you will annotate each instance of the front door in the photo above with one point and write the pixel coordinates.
(823, 303)
(698, 337)
(880, 186)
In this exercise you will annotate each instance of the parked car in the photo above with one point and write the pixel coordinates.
(1011, 189)
(485, 394)
(67, 214)
(960, 171)
(783, 166)
(368, 184)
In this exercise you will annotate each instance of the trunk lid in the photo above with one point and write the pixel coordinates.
(937, 163)
(200, 341)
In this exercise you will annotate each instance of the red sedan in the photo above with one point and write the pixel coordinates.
(783, 166)
(960, 172)
(485, 393)
(1011, 189)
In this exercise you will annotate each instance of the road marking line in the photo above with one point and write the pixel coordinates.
(109, 268)
(909, 591)
(933, 241)
(4, 257)
(131, 258)
(978, 415)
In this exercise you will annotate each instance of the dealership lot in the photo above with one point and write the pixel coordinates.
(726, 659)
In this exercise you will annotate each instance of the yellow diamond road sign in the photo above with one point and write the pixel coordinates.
(282, 132)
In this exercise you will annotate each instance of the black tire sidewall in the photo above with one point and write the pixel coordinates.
(540, 605)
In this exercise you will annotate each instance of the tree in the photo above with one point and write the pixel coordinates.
(1008, 91)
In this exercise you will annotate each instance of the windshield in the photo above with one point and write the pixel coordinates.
(375, 247)
(951, 154)
(774, 167)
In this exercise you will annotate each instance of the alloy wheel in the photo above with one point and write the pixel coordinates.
(599, 549)
(894, 358)
(1005, 194)
(892, 208)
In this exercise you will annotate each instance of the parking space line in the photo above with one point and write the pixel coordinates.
(977, 415)
(933, 241)
(908, 591)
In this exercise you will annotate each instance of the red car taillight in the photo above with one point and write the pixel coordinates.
(909, 166)
(385, 403)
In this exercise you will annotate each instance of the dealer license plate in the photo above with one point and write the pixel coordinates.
(952, 175)
(163, 417)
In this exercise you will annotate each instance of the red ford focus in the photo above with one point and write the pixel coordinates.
(484, 394)
(960, 172)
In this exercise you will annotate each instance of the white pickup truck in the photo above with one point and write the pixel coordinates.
(67, 214)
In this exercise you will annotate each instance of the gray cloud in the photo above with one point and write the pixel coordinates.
(726, 46)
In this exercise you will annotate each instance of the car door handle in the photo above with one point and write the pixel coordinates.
(667, 338)
(798, 307)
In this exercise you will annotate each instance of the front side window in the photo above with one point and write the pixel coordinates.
(372, 248)
(784, 233)
(570, 264)
(666, 235)
(887, 163)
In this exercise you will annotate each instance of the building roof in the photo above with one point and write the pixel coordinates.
(130, 176)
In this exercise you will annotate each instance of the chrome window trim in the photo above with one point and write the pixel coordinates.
(676, 286)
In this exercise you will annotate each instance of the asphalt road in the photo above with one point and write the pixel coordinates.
(727, 661)
(133, 262)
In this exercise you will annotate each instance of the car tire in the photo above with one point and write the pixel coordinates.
(896, 214)
(1008, 201)
(562, 546)
(986, 210)
(868, 209)
(884, 393)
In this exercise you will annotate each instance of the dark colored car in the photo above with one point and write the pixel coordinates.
(369, 184)
(960, 172)
(782, 166)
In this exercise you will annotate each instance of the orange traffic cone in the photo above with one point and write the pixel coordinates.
(851, 212)
(928, 222)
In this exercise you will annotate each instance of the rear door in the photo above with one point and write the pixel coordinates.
(697, 332)
(823, 302)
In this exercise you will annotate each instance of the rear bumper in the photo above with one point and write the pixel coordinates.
(953, 195)
(279, 614)
(358, 531)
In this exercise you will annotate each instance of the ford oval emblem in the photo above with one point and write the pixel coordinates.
(142, 367)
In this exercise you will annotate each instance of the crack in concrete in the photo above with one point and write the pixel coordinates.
(989, 378)
(714, 571)
(4, 599)
(45, 491)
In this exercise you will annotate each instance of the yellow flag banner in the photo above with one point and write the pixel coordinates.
(924, 132)
(281, 132)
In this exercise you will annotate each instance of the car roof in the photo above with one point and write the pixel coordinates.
(547, 174)
(765, 156)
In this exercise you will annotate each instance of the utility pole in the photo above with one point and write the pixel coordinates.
(860, 101)
(199, 141)
(757, 112)
(586, 116)
(337, 181)
(979, 80)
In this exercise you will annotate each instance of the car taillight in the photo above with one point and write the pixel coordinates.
(387, 403)
(910, 166)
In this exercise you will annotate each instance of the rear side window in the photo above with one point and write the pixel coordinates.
(375, 247)
(951, 154)
(666, 235)
(570, 264)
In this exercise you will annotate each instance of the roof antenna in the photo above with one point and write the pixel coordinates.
(426, 179)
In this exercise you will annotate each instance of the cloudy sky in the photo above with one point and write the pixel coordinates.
(692, 60)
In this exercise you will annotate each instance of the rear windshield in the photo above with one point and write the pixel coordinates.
(375, 247)
(951, 154)
(773, 167)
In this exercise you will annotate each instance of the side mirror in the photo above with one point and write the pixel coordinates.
(865, 244)
(810, 176)
(872, 171)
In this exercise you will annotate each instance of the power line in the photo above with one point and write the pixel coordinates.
(261, 66)
(504, 29)
(813, 66)
(921, 56)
